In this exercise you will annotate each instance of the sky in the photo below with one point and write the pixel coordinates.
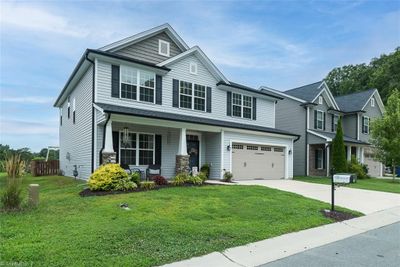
(279, 44)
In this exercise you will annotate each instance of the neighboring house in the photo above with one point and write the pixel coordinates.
(150, 99)
(312, 112)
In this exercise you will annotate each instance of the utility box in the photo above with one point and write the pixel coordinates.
(344, 178)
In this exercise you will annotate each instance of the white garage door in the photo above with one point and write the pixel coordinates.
(257, 162)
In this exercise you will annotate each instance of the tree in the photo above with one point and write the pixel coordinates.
(385, 133)
(382, 73)
(339, 163)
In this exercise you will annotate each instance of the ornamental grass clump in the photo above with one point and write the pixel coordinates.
(110, 177)
(11, 197)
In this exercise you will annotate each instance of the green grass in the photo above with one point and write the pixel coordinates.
(162, 226)
(384, 185)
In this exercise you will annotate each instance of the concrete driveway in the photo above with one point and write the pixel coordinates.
(365, 201)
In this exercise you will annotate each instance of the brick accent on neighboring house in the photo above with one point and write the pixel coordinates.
(313, 170)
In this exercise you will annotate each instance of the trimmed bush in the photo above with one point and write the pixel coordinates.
(110, 177)
(195, 180)
(147, 185)
(206, 170)
(135, 177)
(227, 177)
(357, 168)
(160, 180)
(180, 179)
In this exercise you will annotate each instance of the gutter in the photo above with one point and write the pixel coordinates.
(93, 82)
(248, 89)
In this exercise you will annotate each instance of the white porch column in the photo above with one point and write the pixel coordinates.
(182, 149)
(358, 154)
(348, 153)
(362, 155)
(108, 142)
(327, 160)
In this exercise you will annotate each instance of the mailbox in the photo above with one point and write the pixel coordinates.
(344, 178)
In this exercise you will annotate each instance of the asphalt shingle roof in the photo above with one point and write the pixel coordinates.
(249, 89)
(354, 102)
(184, 118)
(307, 92)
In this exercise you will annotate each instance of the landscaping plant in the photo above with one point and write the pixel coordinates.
(160, 180)
(339, 163)
(180, 179)
(206, 170)
(11, 198)
(147, 185)
(202, 176)
(227, 177)
(135, 177)
(195, 180)
(110, 177)
(357, 168)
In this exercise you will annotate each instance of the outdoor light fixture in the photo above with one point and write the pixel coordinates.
(290, 152)
(125, 136)
(228, 148)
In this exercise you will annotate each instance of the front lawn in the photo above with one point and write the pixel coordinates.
(385, 185)
(162, 226)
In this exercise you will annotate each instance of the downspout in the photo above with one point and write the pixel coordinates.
(104, 138)
(93, 81)
(306, 142)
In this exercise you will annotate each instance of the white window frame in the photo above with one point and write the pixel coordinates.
(193, 97)
(160, 42)
(335, 116)
(320, 160)
(73, 104)
(320, 100)
(372, 102)
(365, 119)
(137, 148)
(138, 71)
(193, 64)
(241, 106)
(322, 119)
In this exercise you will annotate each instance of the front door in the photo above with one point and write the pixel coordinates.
(193, 152)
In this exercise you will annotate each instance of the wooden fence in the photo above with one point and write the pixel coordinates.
(41, 168)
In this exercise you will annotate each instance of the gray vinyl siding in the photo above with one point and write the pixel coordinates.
(213, 154)
(324, 107)
(147, 50)
(313, 139)
(372, 113)
(290, 116)
(349, 123)
(257, 139)
(180, 71)
(76, 139)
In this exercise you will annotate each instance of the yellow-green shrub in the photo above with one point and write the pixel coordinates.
(110, 177)
(180, 179)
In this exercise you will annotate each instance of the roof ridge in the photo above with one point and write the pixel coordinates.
(303, 86)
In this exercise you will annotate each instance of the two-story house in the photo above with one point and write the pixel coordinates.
(312, 112)
(151, 99)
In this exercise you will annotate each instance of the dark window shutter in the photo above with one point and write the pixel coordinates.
(114, 81)
(209, 99)
(158, 89)
(175, 93)
(115, 135)
(73, 117)
(158, 149)
(229, 103)
(324, 120)
(362, 124)
(61, 120)
(254, 108)
(315, 119)
(333, 123)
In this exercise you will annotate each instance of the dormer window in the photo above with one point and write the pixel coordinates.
(163, 48)
(193, 68)
(320, 100)
(372, 102)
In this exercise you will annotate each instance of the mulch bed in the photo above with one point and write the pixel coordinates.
(88, 193)
(338, 216)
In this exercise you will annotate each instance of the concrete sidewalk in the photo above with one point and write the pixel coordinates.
(269, 250)
(365, 201)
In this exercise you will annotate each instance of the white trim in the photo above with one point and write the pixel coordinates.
(147, 34)
(193, 97)
(379, 100)
(362, 122)
(160, 43)
(358, 126)
(138, 85)
(200, 139)
(274, 115)
(327, 159)
(308, 117)
(286, 147)
(94, 163)
(322, 160)
(242, 106)
(202, 57)
(222, 154)
(323, 119)
(330, 96)
(320, 100)
(282, 94)
(95, 79)
(193, 64)
(372, 102)
(308, 160)
(98, 108)
(319, 135)
(137, 149)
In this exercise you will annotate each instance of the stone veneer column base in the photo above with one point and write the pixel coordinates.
(109, 157)
(182, 164)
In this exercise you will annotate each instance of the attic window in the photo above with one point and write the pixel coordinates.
(372, 102)
(193, 68)
(320, 100)
(163, 47)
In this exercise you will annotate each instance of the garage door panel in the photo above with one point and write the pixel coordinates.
(257, 162)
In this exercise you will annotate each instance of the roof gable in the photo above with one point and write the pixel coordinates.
(356, 101)
(166, 28)
(307, 92)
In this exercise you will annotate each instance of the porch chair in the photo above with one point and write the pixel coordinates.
(153, 170)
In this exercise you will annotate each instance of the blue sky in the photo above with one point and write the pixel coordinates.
(281, 44)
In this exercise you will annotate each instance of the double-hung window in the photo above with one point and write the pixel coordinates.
(365, 124)
(319, 154)
(320, 120)
(335, 122)
(132, 79)
(138, 149)
(242, 106)
(192, 96)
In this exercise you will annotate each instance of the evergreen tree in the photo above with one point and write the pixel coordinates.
(338, 150)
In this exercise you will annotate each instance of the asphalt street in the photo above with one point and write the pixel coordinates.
(379, 247)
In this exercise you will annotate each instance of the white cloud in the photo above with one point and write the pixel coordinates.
(38, 19)
(27, 128)
(28, 99)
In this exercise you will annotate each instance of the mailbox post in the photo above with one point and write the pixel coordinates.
(340, 178)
